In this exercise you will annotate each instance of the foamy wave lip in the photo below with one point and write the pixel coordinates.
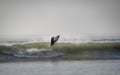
(36, 53)
(37, 50)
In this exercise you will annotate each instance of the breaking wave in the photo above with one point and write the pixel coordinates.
(30, 53)
(37, 53)
(43, 50)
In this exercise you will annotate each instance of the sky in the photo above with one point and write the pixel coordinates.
(20, 18)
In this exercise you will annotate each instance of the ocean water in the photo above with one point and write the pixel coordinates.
(95, 67)
(32, 52)
(9, 42)
(63, 38)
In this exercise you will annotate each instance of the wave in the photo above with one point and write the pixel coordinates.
(62, 40)
(30, 53)
(38, 53)
(70, 50)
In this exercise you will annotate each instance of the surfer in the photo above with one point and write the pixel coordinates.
(54, 40)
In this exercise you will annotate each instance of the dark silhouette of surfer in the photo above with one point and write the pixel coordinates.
(54, 40)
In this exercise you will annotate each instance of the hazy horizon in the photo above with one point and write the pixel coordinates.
(75, 18)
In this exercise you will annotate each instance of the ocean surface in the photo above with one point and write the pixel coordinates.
(94, 67)
(91, 67)
(9, 42)
(31, 52)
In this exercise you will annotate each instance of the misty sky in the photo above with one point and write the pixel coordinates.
(65, 17)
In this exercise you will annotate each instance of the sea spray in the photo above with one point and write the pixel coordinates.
(39, 53)
(30, 53)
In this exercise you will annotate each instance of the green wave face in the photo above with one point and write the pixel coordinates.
(64, 46)
(68, 50)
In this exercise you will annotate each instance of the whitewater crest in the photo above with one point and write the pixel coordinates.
(32, 53)
(37, 53)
